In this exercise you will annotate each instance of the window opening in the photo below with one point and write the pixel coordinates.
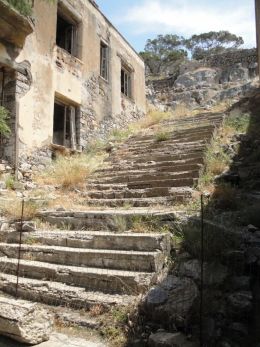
(104, 59)
(126, 82)
(66, 35)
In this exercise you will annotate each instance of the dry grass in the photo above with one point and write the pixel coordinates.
(13, 209)
(70, 172)
(97, 310)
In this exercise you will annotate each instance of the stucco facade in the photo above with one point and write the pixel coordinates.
(60, 96)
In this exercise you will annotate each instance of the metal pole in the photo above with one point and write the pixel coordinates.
(19, 251)
(202, 272)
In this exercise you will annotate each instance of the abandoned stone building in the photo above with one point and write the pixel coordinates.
(66, 76)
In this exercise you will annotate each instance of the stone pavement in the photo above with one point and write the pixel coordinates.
(56, 340)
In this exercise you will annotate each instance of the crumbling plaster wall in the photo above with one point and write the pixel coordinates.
(55, 72)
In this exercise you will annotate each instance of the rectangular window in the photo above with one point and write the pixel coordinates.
(64, 125)
(104, 60)
(66, 34)
(126, 87)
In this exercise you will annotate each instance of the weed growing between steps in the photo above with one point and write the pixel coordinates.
(218, 156)
(68, 172)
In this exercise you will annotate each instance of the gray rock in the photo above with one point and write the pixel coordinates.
(164, 339)
(156, 296)
(240, 283)
(214, 273)
(171, 301)
(240, 303)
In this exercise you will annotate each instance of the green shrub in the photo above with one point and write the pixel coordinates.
(162, 136)
(22, 6)
(4, 128)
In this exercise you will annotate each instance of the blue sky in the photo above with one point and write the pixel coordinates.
(139, 20)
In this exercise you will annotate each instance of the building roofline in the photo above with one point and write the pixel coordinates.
(94, 4)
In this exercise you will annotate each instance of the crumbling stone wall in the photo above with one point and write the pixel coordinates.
(247, 57)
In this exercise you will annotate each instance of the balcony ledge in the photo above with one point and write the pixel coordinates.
(14, 27)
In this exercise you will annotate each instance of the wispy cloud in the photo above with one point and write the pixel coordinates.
(187, 17)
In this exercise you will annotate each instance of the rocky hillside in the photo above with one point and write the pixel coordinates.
(204, 84)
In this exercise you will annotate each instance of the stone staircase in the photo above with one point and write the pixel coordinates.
(93, 256)
(144, 172)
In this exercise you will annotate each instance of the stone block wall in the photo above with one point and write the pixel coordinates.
(247, 57)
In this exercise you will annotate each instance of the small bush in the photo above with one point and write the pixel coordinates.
(9, 182)
(162, 136)
(71, 172)
(22, 6)
(4, 128)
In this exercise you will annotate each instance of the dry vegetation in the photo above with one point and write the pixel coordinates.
(70, 172)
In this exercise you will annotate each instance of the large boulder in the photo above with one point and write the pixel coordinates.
(171, 300)
(214, 273)
(164, 339)
(24, 321)
(202, 77)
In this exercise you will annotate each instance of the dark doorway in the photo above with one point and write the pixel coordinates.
(64, 125)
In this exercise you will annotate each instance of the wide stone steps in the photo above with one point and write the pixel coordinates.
(127, 193)
(152, 166)
(95, 279)
(150, 181)
(97, 240)
(159, 157)
(104, 259)
(141, 202)
(60, 294)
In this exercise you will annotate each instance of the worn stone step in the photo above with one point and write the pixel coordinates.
(142, 175)
(197, 156)
(149, 181)
(60, 294)
(172, 146)
(176, 166)
(104, 259)
(140, 202)
(126, 241)
(175, 133)
(128, 193)
(104, 280)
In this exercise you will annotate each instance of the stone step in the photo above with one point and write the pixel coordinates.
(110, 219)
(127, 193)
(92, 279)
(167, 172)
(140, 202)
(180, 134)
(149, 181)
(159, 158)
(103, 259)
(125, 241)
(172, 145)
(60, 294)
(176, 166)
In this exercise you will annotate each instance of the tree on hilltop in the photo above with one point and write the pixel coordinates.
(213, 42)
(162, 50)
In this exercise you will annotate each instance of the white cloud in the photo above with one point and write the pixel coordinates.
(187, 17)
